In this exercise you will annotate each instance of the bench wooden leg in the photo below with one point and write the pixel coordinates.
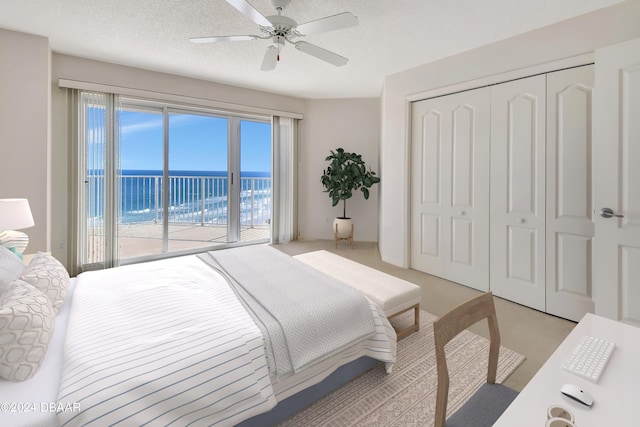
(416, 321)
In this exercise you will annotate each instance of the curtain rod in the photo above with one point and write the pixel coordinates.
(161, 96)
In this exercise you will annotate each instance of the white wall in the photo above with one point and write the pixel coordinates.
(353, 124)
(576, 36)
(25, 64)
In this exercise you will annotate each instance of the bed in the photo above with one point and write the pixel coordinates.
(137, 345)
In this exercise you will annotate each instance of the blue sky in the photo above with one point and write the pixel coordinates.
(196, 143)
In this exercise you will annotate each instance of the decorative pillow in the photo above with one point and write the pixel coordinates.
(49, 276)
(11, 267)
(26, 326)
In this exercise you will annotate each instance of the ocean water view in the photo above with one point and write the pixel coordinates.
(194, 197)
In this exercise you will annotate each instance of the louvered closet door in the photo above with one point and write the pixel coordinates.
(569, 222)
(450, 187)
(517, 217)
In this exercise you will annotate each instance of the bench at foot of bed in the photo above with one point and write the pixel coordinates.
(393, 295)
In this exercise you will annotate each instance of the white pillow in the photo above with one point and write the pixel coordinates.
(27, 321)
(49, 276)
(11, 267)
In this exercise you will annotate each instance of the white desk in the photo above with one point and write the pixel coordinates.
(615, 396)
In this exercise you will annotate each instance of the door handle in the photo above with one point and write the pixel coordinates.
(608, 213)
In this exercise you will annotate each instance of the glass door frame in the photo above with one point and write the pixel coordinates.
(234, 180)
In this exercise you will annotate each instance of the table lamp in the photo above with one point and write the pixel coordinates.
(15, 214)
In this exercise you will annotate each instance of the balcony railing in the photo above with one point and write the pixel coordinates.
(192, 199)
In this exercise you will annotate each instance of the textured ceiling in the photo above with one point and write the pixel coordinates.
(393, 35)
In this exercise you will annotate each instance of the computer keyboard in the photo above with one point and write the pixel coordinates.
(589, 358)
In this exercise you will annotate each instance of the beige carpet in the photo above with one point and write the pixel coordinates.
(407, 396)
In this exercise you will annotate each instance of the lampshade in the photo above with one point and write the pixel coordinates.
(15, 214)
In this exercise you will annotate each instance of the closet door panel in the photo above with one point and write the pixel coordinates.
(521, 140)
(449, 187)
(429, 235)
(427, 188)
(462, 157)
(430, 148)
(461, 175)
(521, 254)
(517, 220)
(462, 240)
(569, 222)
(573, 274)
(573, 144)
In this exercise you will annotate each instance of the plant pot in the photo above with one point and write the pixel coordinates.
(343, 228)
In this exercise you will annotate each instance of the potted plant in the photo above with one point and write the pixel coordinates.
(346, 173)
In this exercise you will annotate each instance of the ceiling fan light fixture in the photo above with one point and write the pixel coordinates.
(278, 42)
(271, 57)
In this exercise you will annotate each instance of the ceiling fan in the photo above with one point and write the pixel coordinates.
(281, 30)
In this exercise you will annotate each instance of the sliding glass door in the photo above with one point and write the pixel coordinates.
(255, 180)
(198, 158)
(179, 181)
(140, 220)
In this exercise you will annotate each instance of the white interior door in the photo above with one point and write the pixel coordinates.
(450, 190)
(569, 221)
(517, 217)
(617, 182)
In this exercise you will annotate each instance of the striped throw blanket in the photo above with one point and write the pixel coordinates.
(305, 315)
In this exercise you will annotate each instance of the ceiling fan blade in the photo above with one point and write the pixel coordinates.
(323, 54)
(270, 59)
(250, 12)
(330, 23)
(213, 39)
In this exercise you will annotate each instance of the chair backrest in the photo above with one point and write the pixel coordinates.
(451, 324)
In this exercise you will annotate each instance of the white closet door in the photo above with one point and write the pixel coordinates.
(518, 191)
(617, 182)
(569, 222)
(449, 187)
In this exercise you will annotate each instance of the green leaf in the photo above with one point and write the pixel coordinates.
(345, 173)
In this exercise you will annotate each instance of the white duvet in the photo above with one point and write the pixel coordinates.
(161, 343)
(168, 343)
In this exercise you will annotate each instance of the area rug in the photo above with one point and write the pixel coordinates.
(407, 397)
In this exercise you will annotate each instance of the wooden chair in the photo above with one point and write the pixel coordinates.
(490, 401)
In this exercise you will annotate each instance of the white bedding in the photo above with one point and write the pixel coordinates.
(164, 343)
(41, 388)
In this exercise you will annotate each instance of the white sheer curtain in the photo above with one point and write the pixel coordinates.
(94, 188)
(285, 177)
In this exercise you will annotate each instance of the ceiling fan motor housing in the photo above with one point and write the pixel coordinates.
(282, 28)
(282, 23)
